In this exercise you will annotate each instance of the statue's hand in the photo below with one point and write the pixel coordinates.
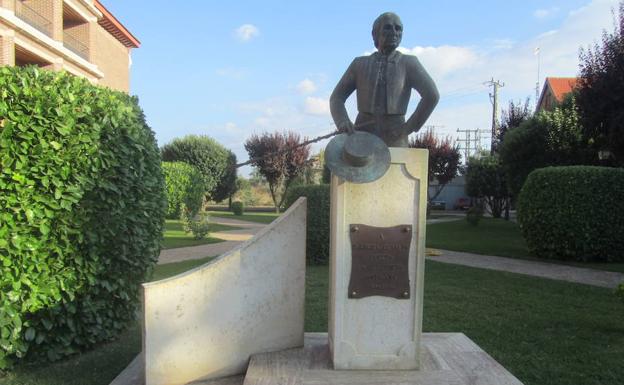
(346, 127)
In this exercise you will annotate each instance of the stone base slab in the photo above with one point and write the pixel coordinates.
(446, 359)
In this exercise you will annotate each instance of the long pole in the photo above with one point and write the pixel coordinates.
(494, 97)
(537, 82)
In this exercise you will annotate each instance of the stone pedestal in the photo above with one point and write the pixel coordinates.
(379, 332)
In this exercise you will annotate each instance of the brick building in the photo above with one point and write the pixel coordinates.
(79, 36)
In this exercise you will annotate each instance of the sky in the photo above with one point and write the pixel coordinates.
(231, 69)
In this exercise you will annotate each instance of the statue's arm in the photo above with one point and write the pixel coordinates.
(424, 85)
(344, 88)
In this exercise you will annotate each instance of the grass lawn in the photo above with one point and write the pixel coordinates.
(494, 237)
(543, 331)
(175, 236)
(250, 217)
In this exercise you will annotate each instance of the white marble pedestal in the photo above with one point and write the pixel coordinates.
(378, 332)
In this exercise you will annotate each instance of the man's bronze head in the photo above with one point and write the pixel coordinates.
(387, 32)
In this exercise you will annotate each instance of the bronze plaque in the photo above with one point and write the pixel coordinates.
(379, 261)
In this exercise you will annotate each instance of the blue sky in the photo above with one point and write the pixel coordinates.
(229, 69)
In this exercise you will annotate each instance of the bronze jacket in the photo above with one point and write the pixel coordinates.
(403, 73)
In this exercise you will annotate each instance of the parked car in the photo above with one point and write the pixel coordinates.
(437, 205)
(462, 204)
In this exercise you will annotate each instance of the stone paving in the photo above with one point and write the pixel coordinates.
(586, 276)
(560, 272)
(232, 239)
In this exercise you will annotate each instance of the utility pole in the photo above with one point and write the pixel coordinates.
(494, 99)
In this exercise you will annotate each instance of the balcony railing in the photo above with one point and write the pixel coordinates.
(76, 46)
(32, 17)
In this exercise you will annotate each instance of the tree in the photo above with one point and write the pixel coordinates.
(601, 92)
(203, 152)
(280, 158)
(227, 186)
(485, 179)
(443, 159)
(512, 117)
(550, 138)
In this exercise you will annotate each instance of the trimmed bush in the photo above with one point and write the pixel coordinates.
(574, 213)
(206, 154)
(317, 243)
(237, 208)
(82, 210)
(198, 224)
(185, 187)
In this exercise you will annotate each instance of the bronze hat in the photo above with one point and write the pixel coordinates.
(358, 158)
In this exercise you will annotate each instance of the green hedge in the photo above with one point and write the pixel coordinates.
(574, 213)
(185, 186)
(317, 243)
(82, 209)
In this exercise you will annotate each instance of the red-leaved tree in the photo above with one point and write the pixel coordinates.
(443, 159)
(280, 158)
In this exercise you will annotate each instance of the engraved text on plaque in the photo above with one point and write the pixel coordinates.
(380, 257)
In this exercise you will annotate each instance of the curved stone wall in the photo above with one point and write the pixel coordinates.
(205, 323)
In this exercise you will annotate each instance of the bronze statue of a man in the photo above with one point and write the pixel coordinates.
(384, 81)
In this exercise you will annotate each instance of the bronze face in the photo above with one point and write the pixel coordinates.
(389, 33)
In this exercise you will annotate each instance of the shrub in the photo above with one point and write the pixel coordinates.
(574, 213)
(185, 187)
(203, 152)
(317, 242)
(82, 197)
(198, 224)
(237, 208)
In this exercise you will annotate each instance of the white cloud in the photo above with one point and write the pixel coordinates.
(544, 13)
(316, 106)
(246, 32)
(464, 99)
(232, 128)
(444, 59)
(232, 73)
(306, 86)
(502, 44)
